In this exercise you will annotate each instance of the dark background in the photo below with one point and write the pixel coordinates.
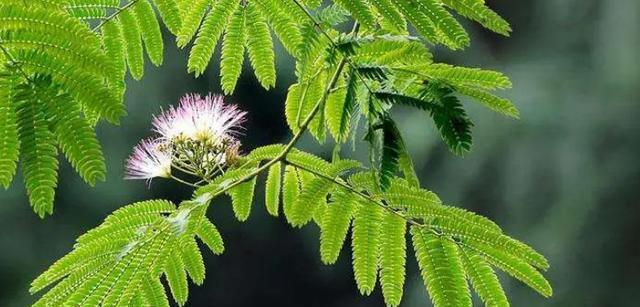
(564, 178)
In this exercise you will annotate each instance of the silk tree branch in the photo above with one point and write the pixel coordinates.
(303, 127)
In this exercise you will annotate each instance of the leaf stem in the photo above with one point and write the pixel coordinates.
(114, 15)
(366, 197)
(184, 181)
(13, 61)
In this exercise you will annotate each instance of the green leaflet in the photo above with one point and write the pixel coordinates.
(132, 43)
(498, 104)
(107, 269)
(365, 245)
(416, 15)
(112, 41)
(192, 259)
(390, 15)
(441, 268)
(301, 100)
(76, 138)
(465, 76)
(38, 153)
(449, 30)
(290, 189)
(212, 27)
(335, 225)
(314, 191)
(392, 148)
(149, 30)
(405, 164)
(260, 47)
(53, 43)
(233, 50)
(191, 18)
(170, 13)
(392, 257)
(242, 197)
(360, 11)
(208, 233)
(514, 266)
(154, 292)
(478, 11)
(474, 233)
(176, 276)
(340, 106)
(484, 280)
(272, 189)
(9, 141)
(284, 27)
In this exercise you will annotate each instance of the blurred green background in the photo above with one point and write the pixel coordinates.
(564, 178)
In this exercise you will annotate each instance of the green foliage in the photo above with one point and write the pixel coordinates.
(64, 70)
(335, 225)
(365, 244)
(232, 49)
(441, 267)
(45, 119)
(273, 188)
(8, 134)
(483, 279)
(392, 257)
(125, 257)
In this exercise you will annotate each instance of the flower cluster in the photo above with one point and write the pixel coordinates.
(199, 138)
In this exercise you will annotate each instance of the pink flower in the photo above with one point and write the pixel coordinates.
(148, 161)
(200, 118)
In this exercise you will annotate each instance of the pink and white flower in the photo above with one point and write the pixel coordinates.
(149, 160)
(200, 118)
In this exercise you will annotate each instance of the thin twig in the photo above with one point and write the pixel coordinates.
(114, 15)
(184, 182)
(366, 197)
(14, 62)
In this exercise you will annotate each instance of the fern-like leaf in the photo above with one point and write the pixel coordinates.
(233, 50)
(176, 275)
(76, 138)
(260, 47)
(272, 189)
(392, 257)
(360, 11)
(132, 43)
(242, 197)
(9, 141)
(192, 259)
(170, 13)
(209, 234)
(37, 149)
(366, 246)
(483, 279)
(441, 267)
(513, 266)
(192, 17)
(335, 225)
(478, 11)
(150, 31)
(209, 34)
